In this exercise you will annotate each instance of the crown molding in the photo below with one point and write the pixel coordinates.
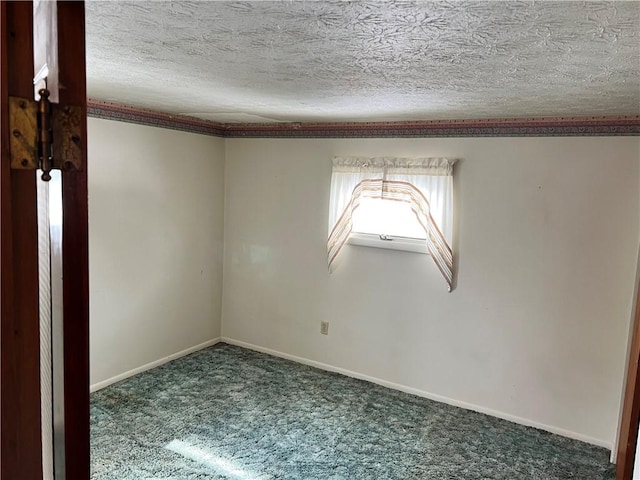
(622, 125)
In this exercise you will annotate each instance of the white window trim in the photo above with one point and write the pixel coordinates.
(406, 244)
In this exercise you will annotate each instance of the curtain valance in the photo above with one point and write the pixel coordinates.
(393, 165)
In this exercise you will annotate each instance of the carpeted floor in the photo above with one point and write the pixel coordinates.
(230, 413)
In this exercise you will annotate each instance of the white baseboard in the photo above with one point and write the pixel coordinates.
(149, 366)
(421, 393)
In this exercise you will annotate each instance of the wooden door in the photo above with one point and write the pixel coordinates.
(20, 408)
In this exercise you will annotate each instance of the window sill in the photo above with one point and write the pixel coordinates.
(415, 245)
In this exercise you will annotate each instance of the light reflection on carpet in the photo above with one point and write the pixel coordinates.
(213, 461)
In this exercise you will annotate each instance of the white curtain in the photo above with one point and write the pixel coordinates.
(426, 184)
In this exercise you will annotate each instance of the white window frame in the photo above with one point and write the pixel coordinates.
(390, 242)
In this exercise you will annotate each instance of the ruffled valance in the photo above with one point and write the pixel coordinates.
(391, 165)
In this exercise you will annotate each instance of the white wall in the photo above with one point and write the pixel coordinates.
(537, 327)
(155, 243)
(636, 464)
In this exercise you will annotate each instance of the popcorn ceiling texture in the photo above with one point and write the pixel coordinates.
(262, 61)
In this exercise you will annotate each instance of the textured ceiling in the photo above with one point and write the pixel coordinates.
(261, 61)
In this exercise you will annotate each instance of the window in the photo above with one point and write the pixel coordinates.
(387, 224)
(379, 201)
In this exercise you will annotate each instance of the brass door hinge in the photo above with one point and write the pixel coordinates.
(45, 135)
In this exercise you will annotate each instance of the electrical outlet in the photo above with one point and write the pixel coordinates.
(324, 328)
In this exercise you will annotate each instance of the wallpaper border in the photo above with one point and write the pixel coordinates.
(500, 127)
(141, 116)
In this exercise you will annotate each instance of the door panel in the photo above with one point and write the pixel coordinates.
(45, 52)
(46, 370)
(51, 325)
(64, 259)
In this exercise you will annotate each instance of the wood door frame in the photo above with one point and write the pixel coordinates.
(75, 248)
(21, 438)
(628, 437)
(20, 416)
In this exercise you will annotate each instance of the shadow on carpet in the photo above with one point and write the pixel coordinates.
(231, 413)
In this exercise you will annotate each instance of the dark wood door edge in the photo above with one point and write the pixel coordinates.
(628, 435)
(75, 249)
(20, 444)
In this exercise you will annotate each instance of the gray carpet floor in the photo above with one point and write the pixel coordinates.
(231, 413)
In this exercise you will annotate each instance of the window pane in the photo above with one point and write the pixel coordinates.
(386, 217)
